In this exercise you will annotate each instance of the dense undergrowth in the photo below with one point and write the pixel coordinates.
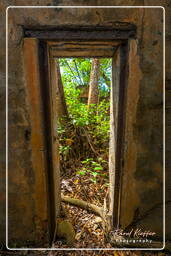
(84, 137)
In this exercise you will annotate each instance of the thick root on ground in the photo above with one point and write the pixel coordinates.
(85, 205)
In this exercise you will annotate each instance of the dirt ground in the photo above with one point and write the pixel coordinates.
(83, 253)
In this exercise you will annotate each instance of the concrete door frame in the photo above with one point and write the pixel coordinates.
(47, 48)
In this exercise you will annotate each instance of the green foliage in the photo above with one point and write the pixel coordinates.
(75, 73)
(102, 121)
(64, 149)
(93, 169)
(77, 110)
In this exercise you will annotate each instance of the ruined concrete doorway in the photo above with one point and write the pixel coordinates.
(41, 49)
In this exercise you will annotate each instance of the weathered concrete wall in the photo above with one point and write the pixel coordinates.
(143, 168)
(168, 123)
(143, 152)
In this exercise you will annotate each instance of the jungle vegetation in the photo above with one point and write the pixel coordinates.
(83, 115)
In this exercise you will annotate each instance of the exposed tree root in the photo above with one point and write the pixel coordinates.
(85, 205)
(90, 143)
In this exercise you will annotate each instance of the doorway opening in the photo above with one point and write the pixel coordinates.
(83, 117)
(69, 45)
(87, 102)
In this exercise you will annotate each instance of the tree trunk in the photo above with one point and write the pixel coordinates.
(60, 97)
(93, 86)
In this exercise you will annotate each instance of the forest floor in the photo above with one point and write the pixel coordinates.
(88, 226)
(83, 253)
